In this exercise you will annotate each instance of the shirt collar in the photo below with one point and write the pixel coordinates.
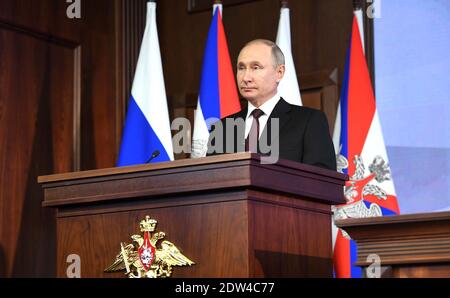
(266, 107)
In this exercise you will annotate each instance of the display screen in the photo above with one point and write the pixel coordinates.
(412, 85)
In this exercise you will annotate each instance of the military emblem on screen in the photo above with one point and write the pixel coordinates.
(145, 257)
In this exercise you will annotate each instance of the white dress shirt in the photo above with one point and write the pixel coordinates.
(267, 108)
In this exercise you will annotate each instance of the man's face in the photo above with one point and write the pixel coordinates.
(257, 76)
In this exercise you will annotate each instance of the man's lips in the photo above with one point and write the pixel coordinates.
(247, 89)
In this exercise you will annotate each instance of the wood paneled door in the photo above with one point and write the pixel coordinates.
(62, 82)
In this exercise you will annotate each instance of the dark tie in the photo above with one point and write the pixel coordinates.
(251, 142)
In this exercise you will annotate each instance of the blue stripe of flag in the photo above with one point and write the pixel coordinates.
(139, 140)
(209, 85)
(356, 271)
(344, 108)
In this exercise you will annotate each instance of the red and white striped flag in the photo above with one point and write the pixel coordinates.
(361, 154)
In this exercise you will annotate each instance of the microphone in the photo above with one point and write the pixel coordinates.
(154, 154)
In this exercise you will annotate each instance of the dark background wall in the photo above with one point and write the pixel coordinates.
(64, 86)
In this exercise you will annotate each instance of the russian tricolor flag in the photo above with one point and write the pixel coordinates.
(147, 126)
(218, 97)
(362, 155)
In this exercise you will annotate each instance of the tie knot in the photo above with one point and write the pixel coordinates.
(257, 113)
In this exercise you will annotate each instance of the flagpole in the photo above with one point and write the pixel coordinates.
(284, 4)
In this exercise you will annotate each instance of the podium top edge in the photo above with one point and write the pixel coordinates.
(222, 159)
(394, 219)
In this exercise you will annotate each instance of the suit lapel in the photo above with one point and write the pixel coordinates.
(242, 114)
(281, 111)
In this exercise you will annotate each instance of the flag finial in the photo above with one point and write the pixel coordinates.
(284, 3)
(217, 1)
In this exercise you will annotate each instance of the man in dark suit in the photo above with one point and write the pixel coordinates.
(269, 125)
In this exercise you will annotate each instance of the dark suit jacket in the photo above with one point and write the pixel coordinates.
(303, 135)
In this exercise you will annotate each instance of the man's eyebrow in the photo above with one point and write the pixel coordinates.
(249, 63)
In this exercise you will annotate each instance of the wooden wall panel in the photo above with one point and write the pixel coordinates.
(60, 111)
(98, 34)
(98, 88)
(36, 135)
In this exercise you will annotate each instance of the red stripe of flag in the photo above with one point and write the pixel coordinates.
(342, 264)
(229, 100)
(361, 101)
(390, 202)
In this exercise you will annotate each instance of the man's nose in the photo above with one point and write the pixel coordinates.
(246, 76)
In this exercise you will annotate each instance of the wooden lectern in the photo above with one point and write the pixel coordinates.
(410, 245)
(230, 214)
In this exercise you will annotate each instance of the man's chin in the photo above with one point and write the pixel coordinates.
(252, 100)
(248, 96)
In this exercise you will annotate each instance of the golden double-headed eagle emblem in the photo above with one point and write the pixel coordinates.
(143, 258)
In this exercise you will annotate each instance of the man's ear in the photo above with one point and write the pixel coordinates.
(280, 72)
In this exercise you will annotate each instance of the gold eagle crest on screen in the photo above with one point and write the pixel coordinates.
(145, 257)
